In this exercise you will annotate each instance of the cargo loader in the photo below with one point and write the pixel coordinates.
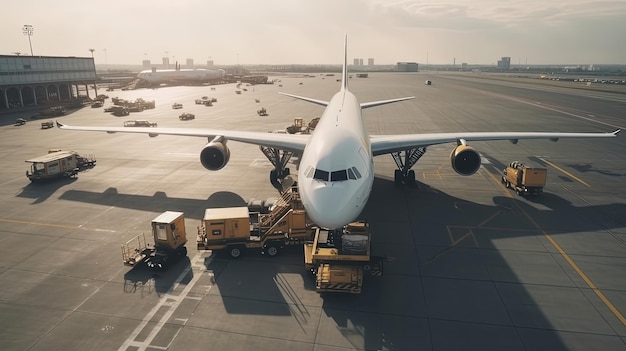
(168, 246)
(340, 258)
(235, 230)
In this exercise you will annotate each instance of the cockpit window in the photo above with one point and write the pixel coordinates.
(309, 172)
(337, 176)
(350, 173)
(334, 176)
(321, 175)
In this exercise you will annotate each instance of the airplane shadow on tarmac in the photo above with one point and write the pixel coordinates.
(446, 274)
(41, 191)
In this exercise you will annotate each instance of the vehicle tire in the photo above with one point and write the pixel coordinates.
(519, 193)
(235, 251)
(271, 250)
(410, 177)
(397, 177)
(507, 184)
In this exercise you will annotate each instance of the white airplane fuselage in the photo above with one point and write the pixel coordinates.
(336, 169)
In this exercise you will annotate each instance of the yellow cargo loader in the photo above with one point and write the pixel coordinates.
(339, 259)
(168, 246)
(235, 229)
(525, 180)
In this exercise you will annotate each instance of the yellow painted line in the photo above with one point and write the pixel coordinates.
(580, 272)
(54, 225)
(566, 172)
(497, 181)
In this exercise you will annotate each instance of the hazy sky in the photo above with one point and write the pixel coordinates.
(312, 32)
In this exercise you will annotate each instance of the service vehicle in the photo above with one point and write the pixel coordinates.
(428, 82)
(236, 229)
(524, 179)
(177, 105)
(19, 122)
(168, 246)
(299, 127)
(262, 112)
(47, 124)
(186, 116)
(340, 258)
(136, 123)
(58, 164)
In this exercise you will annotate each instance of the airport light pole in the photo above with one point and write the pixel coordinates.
(29, 30)
(95, 85)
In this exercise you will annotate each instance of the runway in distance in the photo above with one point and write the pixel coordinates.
(336, 169)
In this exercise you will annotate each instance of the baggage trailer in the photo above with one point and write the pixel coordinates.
(168, 245)
(58, 164)
(340, 258)
(236, 229)
(525, 180)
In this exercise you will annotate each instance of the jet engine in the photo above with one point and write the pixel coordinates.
(215, 154)
(465, 160)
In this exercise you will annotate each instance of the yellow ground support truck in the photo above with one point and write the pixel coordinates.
(524, 179)
(168, 246)
(235, 229)
(340, 258)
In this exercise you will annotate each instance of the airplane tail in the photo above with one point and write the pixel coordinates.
(344, 75)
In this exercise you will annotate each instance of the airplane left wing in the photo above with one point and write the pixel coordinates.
(288, 142)
(384, 144)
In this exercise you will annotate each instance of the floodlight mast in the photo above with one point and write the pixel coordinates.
(29, 30)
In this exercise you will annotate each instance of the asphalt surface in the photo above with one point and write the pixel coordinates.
(470, 265)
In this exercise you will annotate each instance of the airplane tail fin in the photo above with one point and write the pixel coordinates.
(344, 75)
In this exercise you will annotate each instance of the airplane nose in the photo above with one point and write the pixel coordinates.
(328, 207)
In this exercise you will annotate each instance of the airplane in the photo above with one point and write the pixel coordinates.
(179, 76)
(336, 169)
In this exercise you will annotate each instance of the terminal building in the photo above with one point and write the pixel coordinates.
(406, 67)
(44, 80)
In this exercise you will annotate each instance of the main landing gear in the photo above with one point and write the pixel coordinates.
(405, 160)
(279, 159)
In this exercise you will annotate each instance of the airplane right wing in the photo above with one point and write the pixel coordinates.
(384, 144)
(288, 142)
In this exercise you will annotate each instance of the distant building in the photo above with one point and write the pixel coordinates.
(356, 62)
(189, 63)
(37, 80)
(166, 62)
(209, 63)
(406, 67)
(370, 62)
(145, 64)
(504, 63)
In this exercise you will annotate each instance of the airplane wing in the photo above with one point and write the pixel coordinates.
(384, 102)
(315, 101)
(289, 142)
(384, 144)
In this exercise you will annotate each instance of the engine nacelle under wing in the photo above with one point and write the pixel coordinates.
(215, 155)
(465, 160)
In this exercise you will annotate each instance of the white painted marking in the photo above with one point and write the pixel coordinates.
(167, 300)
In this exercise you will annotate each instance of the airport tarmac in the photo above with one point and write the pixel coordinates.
(470, 266)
